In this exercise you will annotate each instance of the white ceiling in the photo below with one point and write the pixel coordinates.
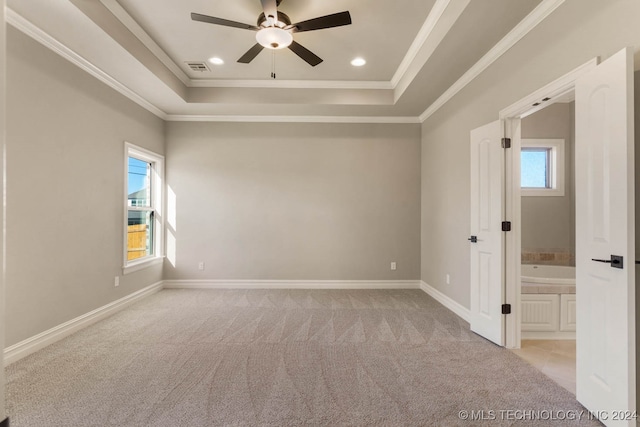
(417, 52)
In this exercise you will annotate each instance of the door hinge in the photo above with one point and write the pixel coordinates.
(506, 225)
(506, 142)
(506, 308)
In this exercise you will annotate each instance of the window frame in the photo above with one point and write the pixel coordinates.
(156, 206)
(556, 166)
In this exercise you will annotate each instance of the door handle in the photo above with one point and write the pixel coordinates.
(473, 239)
(616, 261)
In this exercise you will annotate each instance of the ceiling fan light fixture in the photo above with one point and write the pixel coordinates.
(274, 38)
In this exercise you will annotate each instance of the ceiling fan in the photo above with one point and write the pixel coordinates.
(275, 30)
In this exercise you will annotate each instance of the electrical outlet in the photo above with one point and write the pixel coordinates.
(201, 265)
(393, 266)
(448, 279)
(116, 282)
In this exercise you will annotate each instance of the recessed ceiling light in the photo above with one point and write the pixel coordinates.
(358, 62)
(215, 60)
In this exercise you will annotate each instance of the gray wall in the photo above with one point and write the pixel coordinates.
(578, 31)
(65, 189)
(294, 201)
(548, 223)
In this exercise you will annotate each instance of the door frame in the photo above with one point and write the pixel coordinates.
(511, 118)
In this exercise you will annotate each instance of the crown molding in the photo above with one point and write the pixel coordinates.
(293, 119)
(441, 19)
(427, 28)
(20, 23)
(539, 14)
(293, 84)
(118, 11)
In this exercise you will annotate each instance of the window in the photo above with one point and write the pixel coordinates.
(542, 167)
(143, 208)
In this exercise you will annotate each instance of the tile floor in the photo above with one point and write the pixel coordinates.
(555, 358)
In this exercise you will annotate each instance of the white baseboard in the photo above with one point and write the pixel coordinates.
(544, 335)
(292, 284)
(452, 305)
(31, 345)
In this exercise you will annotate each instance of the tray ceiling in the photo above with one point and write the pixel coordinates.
(415, 51)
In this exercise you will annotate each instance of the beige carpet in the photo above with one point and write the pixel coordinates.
(281, 358)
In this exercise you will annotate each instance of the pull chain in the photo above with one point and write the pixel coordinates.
(273, 64)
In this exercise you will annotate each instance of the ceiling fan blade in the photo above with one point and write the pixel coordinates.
(220, 21)
(328, 21)
(270, 8)
(251, 53)
(304, 53)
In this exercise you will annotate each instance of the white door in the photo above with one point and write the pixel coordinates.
(605, 226)
(486, 240)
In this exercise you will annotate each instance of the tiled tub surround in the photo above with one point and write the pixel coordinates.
(548, 302)
(548, 257)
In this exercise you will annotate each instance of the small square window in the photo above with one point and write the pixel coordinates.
(542, 167)
(535, 171)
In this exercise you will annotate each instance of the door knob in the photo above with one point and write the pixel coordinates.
(616, 261)
(473, 239)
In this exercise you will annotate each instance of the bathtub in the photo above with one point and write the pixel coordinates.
(548, 274)
(547, 279)
(548, 301)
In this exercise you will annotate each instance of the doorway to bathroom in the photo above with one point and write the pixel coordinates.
(547, 227)
(605, 225)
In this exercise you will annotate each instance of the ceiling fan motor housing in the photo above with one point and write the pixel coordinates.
(283, 20)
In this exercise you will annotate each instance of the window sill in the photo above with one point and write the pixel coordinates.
(548, 192)
(140, 265)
